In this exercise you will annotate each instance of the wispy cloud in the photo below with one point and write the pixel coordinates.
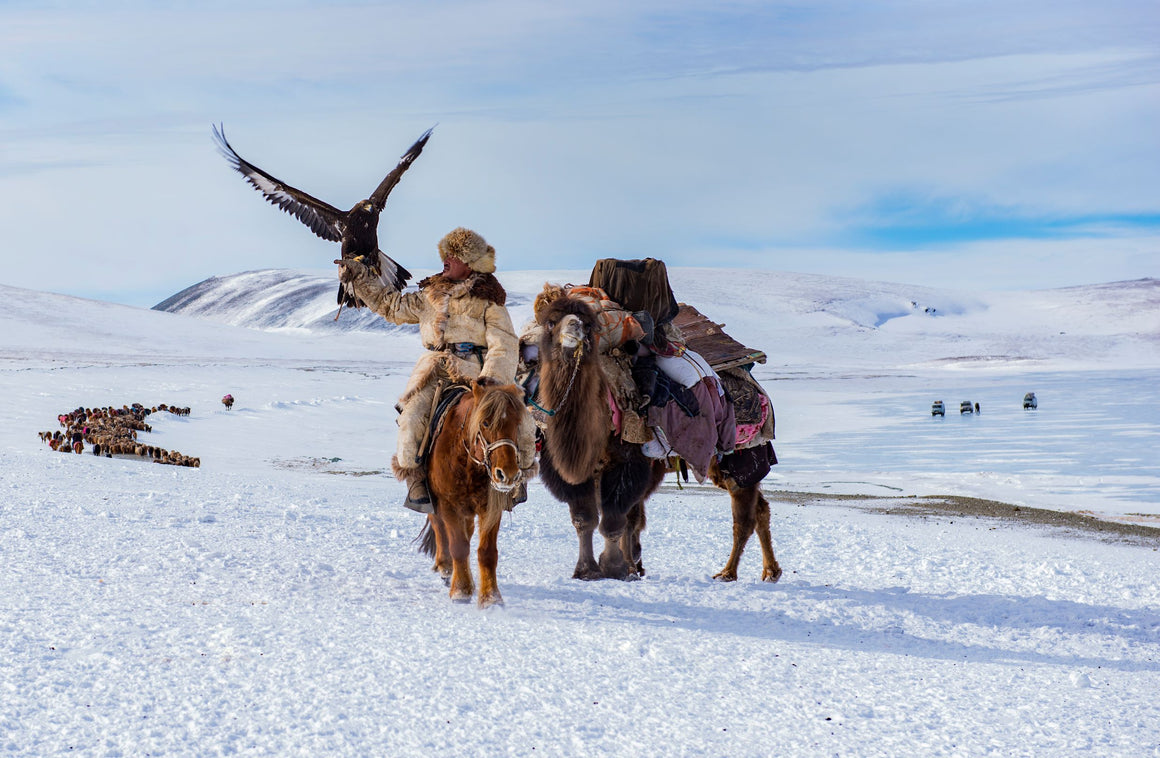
(904, 221)
(704, 134)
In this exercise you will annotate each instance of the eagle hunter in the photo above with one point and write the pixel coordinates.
(356, 229)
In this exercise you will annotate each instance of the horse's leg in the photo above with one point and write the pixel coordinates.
(770, 571)
(744, 502)
(442, 554)
(459, 532)
(488, 556)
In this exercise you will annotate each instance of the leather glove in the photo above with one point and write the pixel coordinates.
(350, 270)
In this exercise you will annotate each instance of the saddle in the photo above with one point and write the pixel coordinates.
(446, 396)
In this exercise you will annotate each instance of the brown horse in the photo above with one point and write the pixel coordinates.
(473, 470)
(604, 480)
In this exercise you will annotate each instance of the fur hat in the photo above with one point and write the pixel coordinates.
(470, 248)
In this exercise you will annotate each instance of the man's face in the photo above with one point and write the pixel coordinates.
(455, 269)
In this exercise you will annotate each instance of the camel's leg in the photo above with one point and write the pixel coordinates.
(459, 532)
(637, 519)
(630, 540)
(770, 571)
(442, 552)
(624, 489)
(488, 556)
(744, 502)
(613, 563)
(585, 517)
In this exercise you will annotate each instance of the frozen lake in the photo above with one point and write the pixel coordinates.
(1095, 436)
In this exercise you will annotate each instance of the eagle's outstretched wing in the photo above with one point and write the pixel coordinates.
(379, 196)
(323, 219)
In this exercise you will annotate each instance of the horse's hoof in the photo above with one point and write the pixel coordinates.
(495, 601)
(771, 575)
(460, 597)
(587, 574)
(726, 576)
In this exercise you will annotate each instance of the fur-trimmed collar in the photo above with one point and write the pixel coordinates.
(484, 286)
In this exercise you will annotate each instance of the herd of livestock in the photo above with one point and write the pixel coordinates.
(112, 431)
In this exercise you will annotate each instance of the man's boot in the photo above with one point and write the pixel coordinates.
(418, 496)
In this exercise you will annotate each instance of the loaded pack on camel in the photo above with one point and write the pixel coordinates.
(618, 390)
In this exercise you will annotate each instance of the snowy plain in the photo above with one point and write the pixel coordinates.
(271, 602)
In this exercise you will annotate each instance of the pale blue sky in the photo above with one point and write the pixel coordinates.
(978, 145)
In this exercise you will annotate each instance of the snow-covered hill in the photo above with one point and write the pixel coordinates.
(271, 602)
(798, 319)
(272, 299)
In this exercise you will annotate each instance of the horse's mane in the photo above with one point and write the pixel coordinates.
(498, 404)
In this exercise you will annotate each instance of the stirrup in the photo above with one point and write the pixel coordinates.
(419, 498)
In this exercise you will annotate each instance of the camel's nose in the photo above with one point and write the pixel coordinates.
(572, 332)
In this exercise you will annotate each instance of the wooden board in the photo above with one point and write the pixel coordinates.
(709, 339)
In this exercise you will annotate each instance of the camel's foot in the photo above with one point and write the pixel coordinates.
(587, 571)
(619, 570)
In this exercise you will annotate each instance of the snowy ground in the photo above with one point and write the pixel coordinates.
(271, 602)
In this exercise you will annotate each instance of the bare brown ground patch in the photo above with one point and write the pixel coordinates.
(956, 506)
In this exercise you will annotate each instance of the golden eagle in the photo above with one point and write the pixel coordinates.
(357, 228)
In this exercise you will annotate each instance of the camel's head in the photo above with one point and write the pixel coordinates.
(568, 325)
(570, 332)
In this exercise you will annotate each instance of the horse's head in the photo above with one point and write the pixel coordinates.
(569, 324)
(493, 428)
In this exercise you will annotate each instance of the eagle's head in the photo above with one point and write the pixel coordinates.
(364, 215)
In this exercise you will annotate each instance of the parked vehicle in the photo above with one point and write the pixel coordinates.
(1029, 401)
(966, 407)
(938, 409)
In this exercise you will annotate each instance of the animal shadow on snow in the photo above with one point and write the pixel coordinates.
(992, 617)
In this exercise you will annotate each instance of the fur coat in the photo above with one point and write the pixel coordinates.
(447, 312)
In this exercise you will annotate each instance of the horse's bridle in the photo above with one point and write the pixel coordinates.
(488, 448)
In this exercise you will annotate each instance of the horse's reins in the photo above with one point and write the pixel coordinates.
(488, 448)
(568, 390)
